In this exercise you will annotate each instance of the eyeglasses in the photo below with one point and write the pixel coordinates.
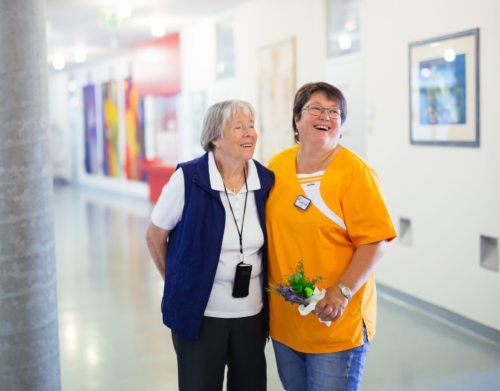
(318, 110)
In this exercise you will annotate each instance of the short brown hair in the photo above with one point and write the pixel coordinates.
(304, 94)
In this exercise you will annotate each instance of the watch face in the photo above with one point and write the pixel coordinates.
(345, 291)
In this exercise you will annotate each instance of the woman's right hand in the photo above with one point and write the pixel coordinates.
(332, 306)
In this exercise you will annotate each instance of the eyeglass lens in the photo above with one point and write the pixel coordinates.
(318, 110)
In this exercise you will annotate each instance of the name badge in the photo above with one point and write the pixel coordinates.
(302, 202)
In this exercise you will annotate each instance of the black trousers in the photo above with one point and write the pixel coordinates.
(238, 343)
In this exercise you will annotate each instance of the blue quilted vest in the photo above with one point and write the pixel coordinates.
(194, 248)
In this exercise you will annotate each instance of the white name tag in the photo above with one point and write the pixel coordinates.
(302, 202)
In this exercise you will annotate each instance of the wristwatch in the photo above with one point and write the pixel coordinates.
(346, 292)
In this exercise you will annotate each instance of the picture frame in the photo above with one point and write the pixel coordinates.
(276, 89)
(444, 90)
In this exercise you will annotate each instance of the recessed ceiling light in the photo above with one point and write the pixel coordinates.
(58, 62)
(158, 27)
(124, 10)
(80, 54)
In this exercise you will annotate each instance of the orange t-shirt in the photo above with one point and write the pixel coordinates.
(352, 212)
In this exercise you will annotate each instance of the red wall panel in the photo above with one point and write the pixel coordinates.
(156, 67)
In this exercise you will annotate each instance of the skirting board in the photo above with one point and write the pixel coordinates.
(454, 319)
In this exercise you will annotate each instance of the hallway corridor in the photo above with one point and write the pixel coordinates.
(112, 337)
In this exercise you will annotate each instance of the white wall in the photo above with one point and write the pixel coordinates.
(450, 194)
(258, 24)
(60, 137)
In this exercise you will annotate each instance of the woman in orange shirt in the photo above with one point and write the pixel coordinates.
(326, 209)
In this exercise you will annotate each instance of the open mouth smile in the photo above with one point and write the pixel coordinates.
(323, 128)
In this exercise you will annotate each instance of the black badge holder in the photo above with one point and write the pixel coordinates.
(242, 279)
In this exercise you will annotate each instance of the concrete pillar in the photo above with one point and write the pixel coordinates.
(29, 348)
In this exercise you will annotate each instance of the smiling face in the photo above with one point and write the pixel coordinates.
(320, 131)
(238, 139)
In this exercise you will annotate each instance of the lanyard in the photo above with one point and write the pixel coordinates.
(240, 233)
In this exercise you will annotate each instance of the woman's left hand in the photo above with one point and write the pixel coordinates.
(332, 306)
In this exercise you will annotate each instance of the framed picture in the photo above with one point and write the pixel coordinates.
(110, 122)
(276, 76)
(444, 90)
(135, 143)
(90, 130)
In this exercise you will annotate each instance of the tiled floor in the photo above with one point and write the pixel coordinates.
(112, 338)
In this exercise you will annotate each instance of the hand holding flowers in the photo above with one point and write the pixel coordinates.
(332, 305)
(301, 290)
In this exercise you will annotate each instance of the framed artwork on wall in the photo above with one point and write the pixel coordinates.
(110, 122)
(91, 158)
(276, 77)
(135, 149)
(444, 90)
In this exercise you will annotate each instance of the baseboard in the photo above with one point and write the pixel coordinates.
(453, 318)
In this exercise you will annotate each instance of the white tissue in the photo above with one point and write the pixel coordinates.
(313, 300)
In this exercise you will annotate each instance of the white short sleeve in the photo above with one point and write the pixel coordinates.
(168, 210)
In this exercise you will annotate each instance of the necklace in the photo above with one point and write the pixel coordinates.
(232, 185)
(235, 185)
(303, 168)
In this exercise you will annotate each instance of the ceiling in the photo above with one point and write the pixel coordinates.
(95, 27)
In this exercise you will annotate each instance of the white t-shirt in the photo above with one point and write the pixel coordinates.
(168, 212)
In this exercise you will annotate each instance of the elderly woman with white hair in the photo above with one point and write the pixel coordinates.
(207, 238)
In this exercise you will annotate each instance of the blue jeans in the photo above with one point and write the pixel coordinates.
(340, 371)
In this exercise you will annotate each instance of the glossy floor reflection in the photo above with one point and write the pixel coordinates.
(112, 337)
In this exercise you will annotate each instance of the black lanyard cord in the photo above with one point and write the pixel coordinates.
(240, 233)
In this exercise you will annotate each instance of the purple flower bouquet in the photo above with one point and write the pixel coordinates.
(300, 290)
